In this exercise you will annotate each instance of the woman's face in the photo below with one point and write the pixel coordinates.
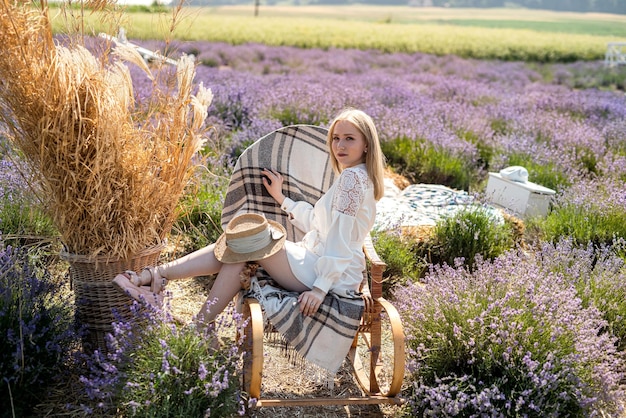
(348, 144)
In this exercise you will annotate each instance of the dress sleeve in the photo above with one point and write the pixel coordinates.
(339, 247)
(300, 213)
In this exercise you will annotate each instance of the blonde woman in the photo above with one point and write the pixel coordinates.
(328, 259)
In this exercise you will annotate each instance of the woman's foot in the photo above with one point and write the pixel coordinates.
(148, 276)
(130, 283)
(156, 281)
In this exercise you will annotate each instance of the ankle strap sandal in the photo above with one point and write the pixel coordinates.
(157, 282)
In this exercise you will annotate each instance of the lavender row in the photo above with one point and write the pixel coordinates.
(512, 109)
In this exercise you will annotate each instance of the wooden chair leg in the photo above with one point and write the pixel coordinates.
(377, 353)
(253, 346)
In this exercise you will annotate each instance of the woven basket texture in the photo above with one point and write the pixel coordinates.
(98, 303)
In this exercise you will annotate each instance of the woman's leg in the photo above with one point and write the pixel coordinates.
(201, 262)
(277, 266)
(198, 263)
(227, 284)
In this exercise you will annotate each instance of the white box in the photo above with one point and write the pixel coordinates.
(525, 199)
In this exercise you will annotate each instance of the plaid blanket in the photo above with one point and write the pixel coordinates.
(323, 339)
(425, 205)
(299, 153)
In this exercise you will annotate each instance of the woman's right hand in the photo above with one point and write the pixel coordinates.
(273, 182)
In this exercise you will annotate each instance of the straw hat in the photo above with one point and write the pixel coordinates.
(249, 237)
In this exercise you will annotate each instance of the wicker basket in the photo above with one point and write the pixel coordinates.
(98, 303)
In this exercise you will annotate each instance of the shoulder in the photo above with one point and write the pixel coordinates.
(354, 175)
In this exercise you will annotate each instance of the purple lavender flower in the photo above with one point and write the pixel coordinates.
(511, 338)
(37, 328)
(172, 370)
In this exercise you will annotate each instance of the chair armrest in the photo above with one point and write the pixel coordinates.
(377, 267)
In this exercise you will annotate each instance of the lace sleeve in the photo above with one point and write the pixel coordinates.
(350, 192)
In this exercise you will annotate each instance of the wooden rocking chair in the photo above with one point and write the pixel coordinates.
(377, 354)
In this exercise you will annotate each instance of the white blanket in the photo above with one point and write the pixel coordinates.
(423, 205)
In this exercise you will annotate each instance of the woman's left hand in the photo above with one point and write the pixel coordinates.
(310, 301)
(273, 182)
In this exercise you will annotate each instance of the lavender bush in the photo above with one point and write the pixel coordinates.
(456, 238)
(591, 211)
(406, 258)
(468, 233)
(199, 220)
(512, 338)
(37, 332)
(161, 369)
(21, 216)
(599, 275)
(422, 162)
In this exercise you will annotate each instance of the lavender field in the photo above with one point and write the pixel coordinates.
(564, 122)
(538, 331)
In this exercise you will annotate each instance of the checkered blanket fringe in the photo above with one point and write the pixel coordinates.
(323, 339)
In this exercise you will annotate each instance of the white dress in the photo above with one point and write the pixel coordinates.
(330, 256)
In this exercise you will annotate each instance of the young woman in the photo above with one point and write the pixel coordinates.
(328, 259)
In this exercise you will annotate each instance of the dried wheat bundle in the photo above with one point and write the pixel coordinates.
(111, 175)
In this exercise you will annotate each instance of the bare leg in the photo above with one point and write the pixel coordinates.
(227, 284)
(198, 263)
(277, 266)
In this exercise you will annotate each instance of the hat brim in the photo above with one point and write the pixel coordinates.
(225, 255)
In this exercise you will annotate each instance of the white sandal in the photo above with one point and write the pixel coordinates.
(157, 282)
(125, 283)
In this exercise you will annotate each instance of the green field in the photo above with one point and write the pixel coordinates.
(507, 34)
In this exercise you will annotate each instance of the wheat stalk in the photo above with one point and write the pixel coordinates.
(111, 175)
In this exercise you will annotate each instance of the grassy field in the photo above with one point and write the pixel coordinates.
(495, 17)
(506, 34)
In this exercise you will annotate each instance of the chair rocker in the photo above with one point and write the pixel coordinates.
(377, 354)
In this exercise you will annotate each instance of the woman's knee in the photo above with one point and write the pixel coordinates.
(232, 267)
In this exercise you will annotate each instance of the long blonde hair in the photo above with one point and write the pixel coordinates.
(374, 158)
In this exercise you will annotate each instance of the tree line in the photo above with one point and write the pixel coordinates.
(598, 6)
(583, 6)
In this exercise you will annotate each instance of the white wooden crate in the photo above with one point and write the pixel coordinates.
(524, 199)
